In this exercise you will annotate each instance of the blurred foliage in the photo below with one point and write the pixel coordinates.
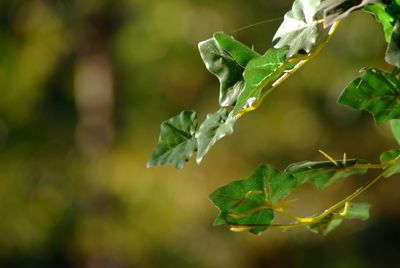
(84, 86)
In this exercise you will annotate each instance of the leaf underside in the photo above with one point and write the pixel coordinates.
(324, 173)
(299, 29)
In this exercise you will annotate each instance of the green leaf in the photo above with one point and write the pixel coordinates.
(391, 158)
(226, 58)
(335, 10)
(382, 16)
(238, 51)
(358, 211)
(393, 50)
(177, 141)
(250, 201)
(259, 73)
(324, 173)
(395, 127)
(216, 126)
(376, 92)
(299, 29)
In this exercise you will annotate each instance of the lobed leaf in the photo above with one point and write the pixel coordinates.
(376, 92)
(259, 73)
(238, 51)
(177, 141)
(299, 29)
(358, 211)
(391, 158)
(335, 10)
(226, 58)
(324, 173)
(216, 126)
(250, 201)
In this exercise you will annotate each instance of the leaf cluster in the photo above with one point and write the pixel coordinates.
(246, 77)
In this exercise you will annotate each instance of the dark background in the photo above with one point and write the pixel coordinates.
(84, 86)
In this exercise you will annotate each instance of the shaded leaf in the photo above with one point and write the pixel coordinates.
(324, 173)
(326, 225)
(358, 211)
(250, 201)
(177, 141)
(393, 50)
(216, 126)
(299, 29)
(335, 10)
(376, 92)
(395, 127)
(391, 157)
(259, 73)
(225, 58)
(382, 16)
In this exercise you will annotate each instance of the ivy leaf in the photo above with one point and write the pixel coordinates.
(393, 50)
(225, 58)
(238, 51)
(177, 141)
(250, 201)
(324, 173)
(381, 15)
(216, 126)
(395, 127)
(358, 211)
(335, 10)
(259, 73)
(391, 157)
(376, 92)
(299, 29)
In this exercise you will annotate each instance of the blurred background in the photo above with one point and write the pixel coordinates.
(84, 86)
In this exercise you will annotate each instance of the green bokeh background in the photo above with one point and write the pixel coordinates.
(84, 86)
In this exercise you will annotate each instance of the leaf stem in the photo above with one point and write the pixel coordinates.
(301, 60)
(308, 220)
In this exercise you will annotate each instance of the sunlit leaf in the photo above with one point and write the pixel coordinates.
(393, 50)
(334, 10)
(392, 159)
(358, 211)
(250, 201)
(299, 29)
(226, 58)
(238, 51)
(216, 126)
(376, 92)
(177, 141)
(382, 16)
(395, 127)
(259, 73)
(324, 173)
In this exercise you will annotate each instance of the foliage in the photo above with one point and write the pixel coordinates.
(246, 77)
